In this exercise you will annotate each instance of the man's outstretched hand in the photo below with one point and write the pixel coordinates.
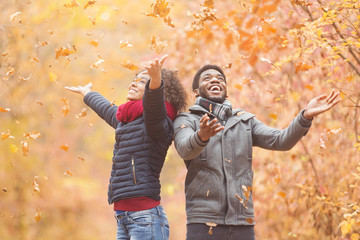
(208, 128)
(321, 104)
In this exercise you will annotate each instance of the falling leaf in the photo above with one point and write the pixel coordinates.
(43, 44)
(7, 134)
(4, 54)
(241, 200)
(250, 220)
(157, 45)
(52, 76)
(97, 63)
(82, 114)
(295, 96)
(211, 225)
(36, 184)
(310, 87)
(64, 147)
(11, 71)
(335, 130)
(89, 4)
(322, 139)
(25, 148)
(124, 44)
(13, 16)
(265, 60)
(81, 158)
(33, 135)
(61, 51)
(277, 177)
(71, 4)
(95, 43)
(5, 189)
(207, 193)
(37, 215)
(273, 116)
(227, 66)
(282, 194)
(14, 148)
(92, 20)
(238, 86)
(66, 107)
(68, 172)
(302, 67)
(34, 59)
(24, 78)
(130, 66)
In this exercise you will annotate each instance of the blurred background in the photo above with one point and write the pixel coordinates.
(55, 153)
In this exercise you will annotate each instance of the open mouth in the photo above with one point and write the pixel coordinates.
(215, 89)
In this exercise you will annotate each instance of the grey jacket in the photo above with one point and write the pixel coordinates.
(219, 171)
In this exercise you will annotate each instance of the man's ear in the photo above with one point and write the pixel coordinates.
(196, 92)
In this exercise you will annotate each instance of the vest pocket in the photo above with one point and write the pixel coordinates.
(133, 168)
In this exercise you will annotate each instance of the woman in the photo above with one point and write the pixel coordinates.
(143, 133)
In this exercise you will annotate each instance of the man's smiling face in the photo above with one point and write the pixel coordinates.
(212, 86)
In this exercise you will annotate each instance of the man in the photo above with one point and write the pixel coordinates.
(216, 142)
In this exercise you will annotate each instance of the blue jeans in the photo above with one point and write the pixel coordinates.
(151, 224)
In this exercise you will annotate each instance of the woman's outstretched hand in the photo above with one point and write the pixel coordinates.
(154, 71)
(321, 104)
(83, 90)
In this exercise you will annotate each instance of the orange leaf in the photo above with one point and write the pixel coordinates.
(273, 116)
(7, 134)
(130, 66)
(33, 135)
(68, 172)
(282, 194)
(73, 3)
(25, 148)
(64, 147)
(66, 107)
(5, 109)
(92, 20)
(82, 114)
(95, 43)
(61, 51)
(89, 4)
(310, 87)
(37, 215)
(302, 67)
(36, 184)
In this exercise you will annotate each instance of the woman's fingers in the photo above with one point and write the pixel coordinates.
(333, 97)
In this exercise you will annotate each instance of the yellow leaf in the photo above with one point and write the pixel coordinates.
(13, 148)
(64, 52)
(73, 3)
(125, 44)
(346, 228)
(273, 116)
(130, 66)
(355, 236)
(295, 96)
(261, 44)
(52, 76)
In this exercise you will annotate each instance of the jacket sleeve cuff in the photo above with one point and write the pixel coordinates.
(303, 121)
(199, 141)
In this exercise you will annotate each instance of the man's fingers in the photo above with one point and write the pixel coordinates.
(334, 96)
(321, 97)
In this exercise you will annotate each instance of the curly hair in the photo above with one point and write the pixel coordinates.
(174, 91)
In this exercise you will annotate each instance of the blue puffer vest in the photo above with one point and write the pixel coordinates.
(140, 148)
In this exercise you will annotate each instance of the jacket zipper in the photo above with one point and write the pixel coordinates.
(133, 168)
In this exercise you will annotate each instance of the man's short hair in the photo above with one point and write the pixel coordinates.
(195, 83)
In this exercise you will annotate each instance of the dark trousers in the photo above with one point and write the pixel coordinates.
(200, 231)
